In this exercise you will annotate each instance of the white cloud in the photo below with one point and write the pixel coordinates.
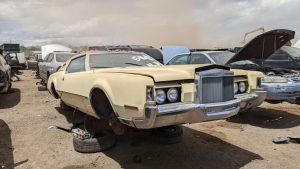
(214, 23)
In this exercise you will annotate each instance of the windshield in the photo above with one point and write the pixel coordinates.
(63, 57)
(121, 60)
(221, 58)
(294, 52)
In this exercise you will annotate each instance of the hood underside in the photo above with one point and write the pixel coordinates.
(165, 73)
(264, 45)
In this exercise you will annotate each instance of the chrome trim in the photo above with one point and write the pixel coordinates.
(180, 113)
(253, 99)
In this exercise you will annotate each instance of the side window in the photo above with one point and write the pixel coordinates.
(50, 58)
(179, 60)
(76, 65)
(199, 59)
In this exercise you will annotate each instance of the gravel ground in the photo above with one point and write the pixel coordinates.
(243, 141)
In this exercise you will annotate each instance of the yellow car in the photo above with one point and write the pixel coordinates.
(142, 93)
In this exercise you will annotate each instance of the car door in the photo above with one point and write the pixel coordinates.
(72, 84)
(197, 58)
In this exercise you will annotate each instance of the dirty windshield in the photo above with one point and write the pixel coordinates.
(63, 57)
(221, 58)
(121, 60)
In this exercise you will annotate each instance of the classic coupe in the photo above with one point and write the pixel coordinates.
(142, 93)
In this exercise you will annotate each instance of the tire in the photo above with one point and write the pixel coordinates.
(168, 134)
(93, 145)
(65, 107)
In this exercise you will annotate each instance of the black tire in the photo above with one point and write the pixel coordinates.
(65, 107)
(168, 134)
(93, 145)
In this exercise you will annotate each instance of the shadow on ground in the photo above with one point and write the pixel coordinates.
(267, 118)
(197, 150)
(67, 113)
(6, 148)
(10, 99)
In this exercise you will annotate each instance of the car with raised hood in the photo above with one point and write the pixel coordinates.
(5, 72)
(282, 84)
(247, 83)
(139, 92)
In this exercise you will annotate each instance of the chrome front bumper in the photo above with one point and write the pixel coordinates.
(181, 113)
(253, 99)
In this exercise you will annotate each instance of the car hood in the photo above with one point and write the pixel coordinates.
(164, 73)
(263, 45)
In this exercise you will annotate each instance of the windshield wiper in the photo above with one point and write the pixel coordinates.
(135, 64)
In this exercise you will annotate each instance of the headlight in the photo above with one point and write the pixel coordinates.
(242, 87)
(160, 96)
(172, 94)
(273, 79)
(236, 88)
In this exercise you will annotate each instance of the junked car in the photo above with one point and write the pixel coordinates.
(281, 83)
(5, 72)
(139, 92)
(53, 61)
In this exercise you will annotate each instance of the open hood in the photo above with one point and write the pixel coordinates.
(263, 45)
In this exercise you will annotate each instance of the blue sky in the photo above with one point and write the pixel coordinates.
(194, 23)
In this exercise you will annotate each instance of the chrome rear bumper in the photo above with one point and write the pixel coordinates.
(180, 113)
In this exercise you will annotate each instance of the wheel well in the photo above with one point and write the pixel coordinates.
(100, 103)
(55, 94)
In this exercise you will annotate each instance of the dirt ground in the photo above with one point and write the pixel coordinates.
(243, 141)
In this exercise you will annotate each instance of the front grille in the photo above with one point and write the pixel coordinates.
(215, 86)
